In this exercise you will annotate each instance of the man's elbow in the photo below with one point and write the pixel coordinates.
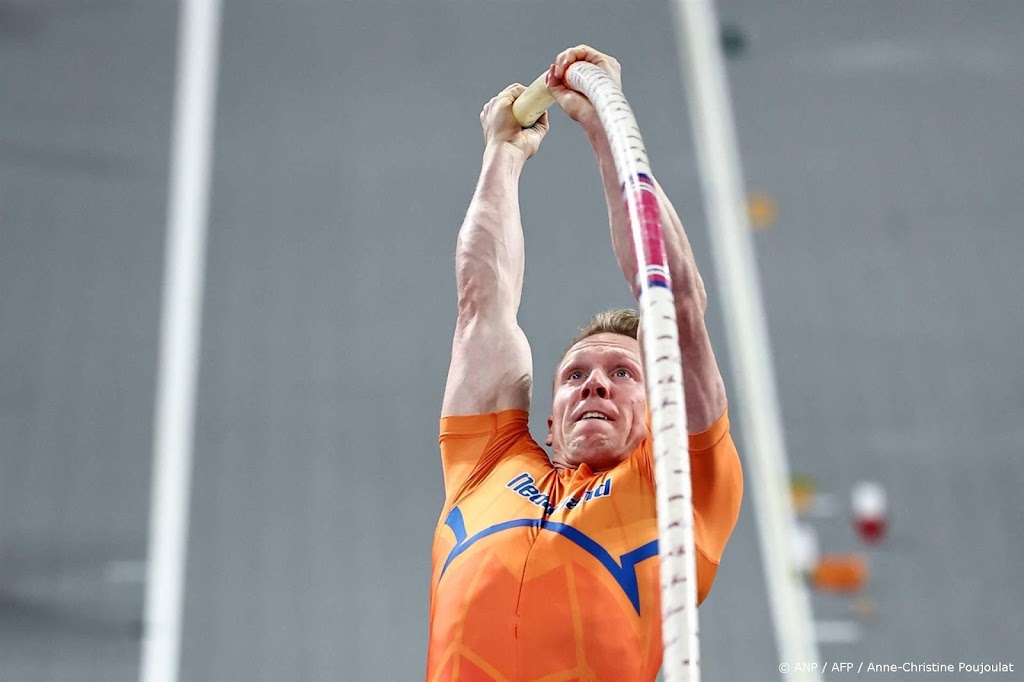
(479, 285)
(691, 298)
(706, 570)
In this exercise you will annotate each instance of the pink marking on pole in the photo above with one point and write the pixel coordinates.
(653, 259)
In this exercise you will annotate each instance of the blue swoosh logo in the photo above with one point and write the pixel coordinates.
(622, 571)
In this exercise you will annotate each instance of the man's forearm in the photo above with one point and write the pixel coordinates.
(688, 288)
(618, 220)
(703, 386)
(489, 255)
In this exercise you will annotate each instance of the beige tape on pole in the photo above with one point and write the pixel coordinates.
(529, 106)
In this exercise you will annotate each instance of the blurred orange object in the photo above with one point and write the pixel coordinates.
(840, 573)
(863, 607)
(762, 210)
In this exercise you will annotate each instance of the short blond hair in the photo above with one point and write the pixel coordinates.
(625, 321)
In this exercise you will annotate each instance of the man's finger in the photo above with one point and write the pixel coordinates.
(509, 94)
(586, 53)
(571, 55)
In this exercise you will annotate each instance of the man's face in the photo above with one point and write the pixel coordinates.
(598, 414)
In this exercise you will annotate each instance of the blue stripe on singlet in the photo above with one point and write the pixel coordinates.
(622, 571)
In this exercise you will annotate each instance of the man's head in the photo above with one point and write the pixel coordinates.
(598, 412)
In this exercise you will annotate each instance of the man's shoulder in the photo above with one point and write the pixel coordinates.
(521, 466)
(488, 442)
(479, 424)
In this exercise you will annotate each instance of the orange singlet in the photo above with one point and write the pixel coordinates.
(541, 575)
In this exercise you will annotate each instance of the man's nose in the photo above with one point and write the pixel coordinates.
(596, 385)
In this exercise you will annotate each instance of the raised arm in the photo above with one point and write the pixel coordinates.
(491, 367)
(702, 381)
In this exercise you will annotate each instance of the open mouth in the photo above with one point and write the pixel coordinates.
(593, 415)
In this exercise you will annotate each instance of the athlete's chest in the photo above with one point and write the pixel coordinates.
(532, 535)
(527, 508)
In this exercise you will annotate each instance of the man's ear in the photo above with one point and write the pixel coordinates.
(550, 439)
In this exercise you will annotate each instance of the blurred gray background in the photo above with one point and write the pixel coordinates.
(347, 148)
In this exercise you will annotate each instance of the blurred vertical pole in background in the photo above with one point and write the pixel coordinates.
(707, 93)
(181, 318)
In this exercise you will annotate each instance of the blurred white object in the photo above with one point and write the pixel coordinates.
(837, 631)
(805, 547)
(870, 511)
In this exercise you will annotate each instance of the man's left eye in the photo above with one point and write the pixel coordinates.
(623, 373)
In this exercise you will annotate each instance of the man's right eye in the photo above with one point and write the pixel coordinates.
(575, 375)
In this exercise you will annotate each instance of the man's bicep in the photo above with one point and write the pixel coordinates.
(717, 483)
(491, 368)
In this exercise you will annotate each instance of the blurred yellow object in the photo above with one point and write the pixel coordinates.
(762, 210)
(840, 573)
(801, 488)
